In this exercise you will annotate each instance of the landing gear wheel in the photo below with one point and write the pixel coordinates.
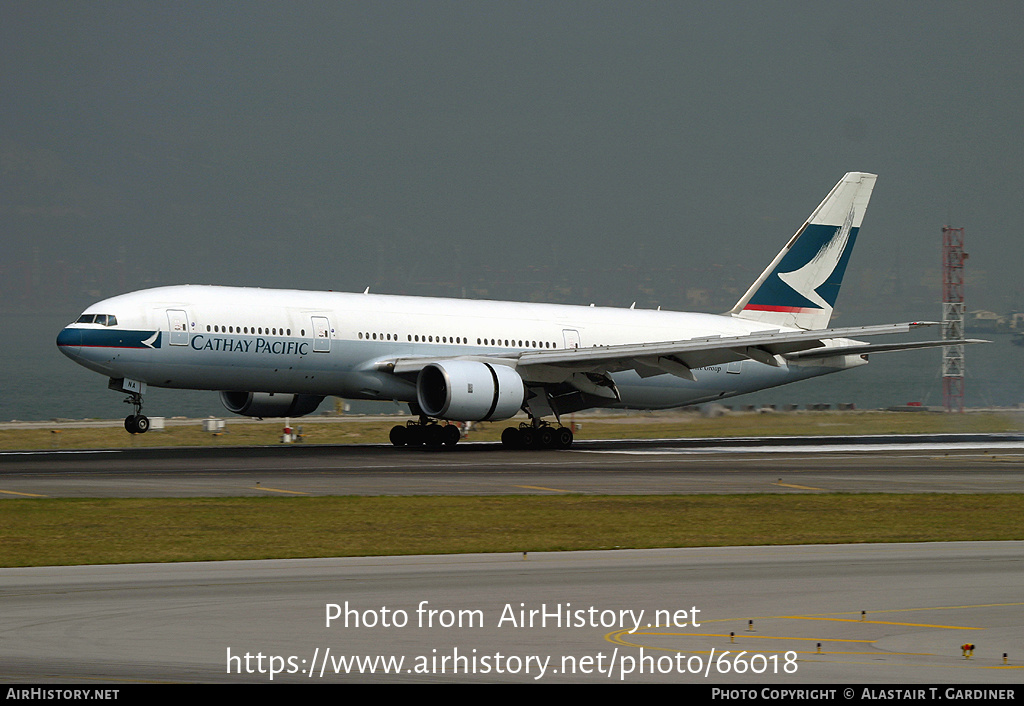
(545, 438)
(399, 435)
(528, 437)
(452, 434)
(435, 435)
(511, 438)
(415, 435)
(136, 424)
(563, 438)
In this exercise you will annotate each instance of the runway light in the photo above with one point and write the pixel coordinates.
(863, 615)
(732, 637)
(819, 648)
(968, 649)
(750, 626)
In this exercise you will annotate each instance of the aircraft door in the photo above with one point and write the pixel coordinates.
(177, 321)
(321, 334)
(572, 338)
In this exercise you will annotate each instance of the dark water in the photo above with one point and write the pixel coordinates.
(40, 383)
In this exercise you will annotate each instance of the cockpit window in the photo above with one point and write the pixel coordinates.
(101, 319)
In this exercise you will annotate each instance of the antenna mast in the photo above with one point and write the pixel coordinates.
(953, 257)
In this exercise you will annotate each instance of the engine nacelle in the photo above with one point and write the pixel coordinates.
(270, 404)
(469, 391)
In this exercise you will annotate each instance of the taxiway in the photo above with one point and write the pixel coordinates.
(197, 622)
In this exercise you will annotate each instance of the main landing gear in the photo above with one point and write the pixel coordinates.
(425, 432)
(536, 434)
(137, 423)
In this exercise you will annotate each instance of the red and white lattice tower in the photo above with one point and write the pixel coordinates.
(953, 257)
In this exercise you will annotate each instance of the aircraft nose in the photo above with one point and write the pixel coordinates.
(69, 341)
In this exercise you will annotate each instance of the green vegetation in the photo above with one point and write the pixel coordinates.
(355, 430)
(97, 531)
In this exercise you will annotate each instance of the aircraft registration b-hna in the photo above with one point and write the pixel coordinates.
(276, 353)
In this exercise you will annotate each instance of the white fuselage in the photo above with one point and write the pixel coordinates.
(332, 343)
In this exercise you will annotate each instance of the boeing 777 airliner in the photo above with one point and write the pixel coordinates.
(275, 353)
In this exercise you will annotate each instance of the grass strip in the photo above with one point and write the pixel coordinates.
(66, 531)
(353, 430)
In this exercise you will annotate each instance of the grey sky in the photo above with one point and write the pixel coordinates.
(410, 145)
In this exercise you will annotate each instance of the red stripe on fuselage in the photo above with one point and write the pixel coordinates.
(789, 309)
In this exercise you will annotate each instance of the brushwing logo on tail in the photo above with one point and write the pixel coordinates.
(809, 276)
(806, 280)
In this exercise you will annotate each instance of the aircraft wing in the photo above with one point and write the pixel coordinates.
(863, 348)
(677, 357)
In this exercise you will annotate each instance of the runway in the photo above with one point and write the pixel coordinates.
(559, 617)
(555, 617)
(948, 464)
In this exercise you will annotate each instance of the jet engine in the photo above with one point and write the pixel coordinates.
(270, 404)
(469, 391)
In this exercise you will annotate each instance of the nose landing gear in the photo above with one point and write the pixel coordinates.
(137, 423)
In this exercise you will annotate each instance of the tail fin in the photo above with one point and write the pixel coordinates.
(800, 287)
